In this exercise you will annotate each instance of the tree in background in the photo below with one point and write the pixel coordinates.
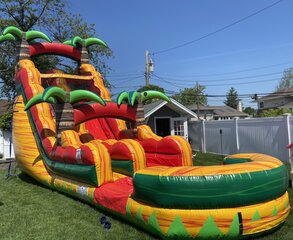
(45, 15)
(189, 96)
(5, 120)
(50, 16)
(149, 88)
(232, 99)
(287, 79)
(275, 112)
(250, 111)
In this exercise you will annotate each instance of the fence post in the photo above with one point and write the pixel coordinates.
(203, 140)
(2, 150)
(236, 133)
(288, 128)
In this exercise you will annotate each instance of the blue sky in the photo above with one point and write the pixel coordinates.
(255, 50)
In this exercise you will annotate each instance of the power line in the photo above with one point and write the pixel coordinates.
(123, 75)
(127, 80)
(245, 95)
(228, 73)
(242, 83)
(126, 76)
(218, 30)
(224, 79)
(137, 86)
(166, 81)
(213, 85)
(123, 78)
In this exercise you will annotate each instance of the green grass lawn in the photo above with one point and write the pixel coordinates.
(30, 211)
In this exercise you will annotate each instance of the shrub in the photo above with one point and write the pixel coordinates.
(5, 120)
(275, 112)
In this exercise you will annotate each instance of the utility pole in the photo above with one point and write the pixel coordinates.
(147, 72)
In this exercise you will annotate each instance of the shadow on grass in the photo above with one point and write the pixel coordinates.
(101, 210)
(28, 179)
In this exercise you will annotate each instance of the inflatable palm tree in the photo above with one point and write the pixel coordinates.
(78, 42)
(63, 105)
(138, 98)
(22, 39)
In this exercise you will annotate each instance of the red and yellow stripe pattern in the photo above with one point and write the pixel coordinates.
(29, 80)
(187, 223)
(126, 149)
(145, 132)
(98, 80)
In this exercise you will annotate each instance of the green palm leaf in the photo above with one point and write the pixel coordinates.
(68, 42)
(30, 35)
(91, 41)
(133, 97)
(147, 95)
(7, 37)
(14, 31)
(37, 99)
(57, 93)
(123, 96)
(77, 41)
(78, 95)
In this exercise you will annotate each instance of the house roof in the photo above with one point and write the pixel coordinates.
(219, 111)
(3, 106)
(229, 112)
(151, 108)
(285, 92)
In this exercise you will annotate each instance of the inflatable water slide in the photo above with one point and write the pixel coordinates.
(71, 136)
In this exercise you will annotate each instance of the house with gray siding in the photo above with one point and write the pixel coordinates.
(279, 99)
(216, 112)
(168, 118)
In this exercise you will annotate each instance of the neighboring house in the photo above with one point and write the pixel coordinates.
(216, 112)
(6, 148)
(168, 118)
(280, 99)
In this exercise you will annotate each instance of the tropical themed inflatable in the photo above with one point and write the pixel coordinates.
(71, 136)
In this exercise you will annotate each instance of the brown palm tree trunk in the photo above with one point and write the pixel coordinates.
(23, 49)
(64, 117)
(140, 120)
(84, 58)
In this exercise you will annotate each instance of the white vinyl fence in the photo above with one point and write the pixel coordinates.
(256, 135)
(5, 147)
(260, 135)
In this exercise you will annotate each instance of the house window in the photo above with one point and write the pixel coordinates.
(261, 105)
